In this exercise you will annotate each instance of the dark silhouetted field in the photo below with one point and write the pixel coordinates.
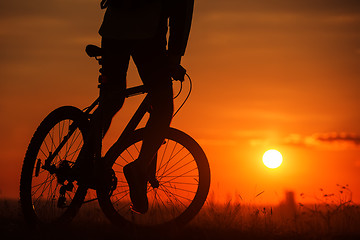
(231, 220)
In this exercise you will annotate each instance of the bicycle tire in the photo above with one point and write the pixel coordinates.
(39, 188)
(168, 207)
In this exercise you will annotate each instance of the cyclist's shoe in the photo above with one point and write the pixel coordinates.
(138, 188)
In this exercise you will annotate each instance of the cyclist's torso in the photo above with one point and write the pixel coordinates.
(145, 19)
(126, 19)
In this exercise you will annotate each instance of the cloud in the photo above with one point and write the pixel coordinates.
(333, 140)
(339, 137)
(329, 141)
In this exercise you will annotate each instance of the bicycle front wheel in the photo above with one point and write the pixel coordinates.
(176, 194)
(46, 195)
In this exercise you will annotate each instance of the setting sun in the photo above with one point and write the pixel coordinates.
(272, 158)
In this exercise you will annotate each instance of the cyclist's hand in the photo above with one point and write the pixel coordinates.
(177, 72)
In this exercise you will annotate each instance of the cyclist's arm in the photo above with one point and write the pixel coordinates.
(180, 17)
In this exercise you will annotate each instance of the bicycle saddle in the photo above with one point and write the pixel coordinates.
(93, 51)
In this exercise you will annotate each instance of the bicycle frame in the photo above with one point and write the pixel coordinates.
(113, 152)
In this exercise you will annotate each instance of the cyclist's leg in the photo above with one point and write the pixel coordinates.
(115, 62)
(158, 123)
(151, 61)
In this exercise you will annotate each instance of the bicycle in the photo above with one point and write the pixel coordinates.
(177, 187)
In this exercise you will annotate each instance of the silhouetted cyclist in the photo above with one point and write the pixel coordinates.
(138, 28)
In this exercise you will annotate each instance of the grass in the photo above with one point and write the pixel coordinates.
(284, 221)
(334, 216)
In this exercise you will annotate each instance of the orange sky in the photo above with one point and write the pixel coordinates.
(267, 74)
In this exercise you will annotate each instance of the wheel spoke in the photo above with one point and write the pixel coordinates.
(43, 189)
(182, 175)
(178, 174)
(47, 180)
(165, 172)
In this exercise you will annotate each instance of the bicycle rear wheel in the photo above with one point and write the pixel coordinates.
(46, 195)
(175, 196)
